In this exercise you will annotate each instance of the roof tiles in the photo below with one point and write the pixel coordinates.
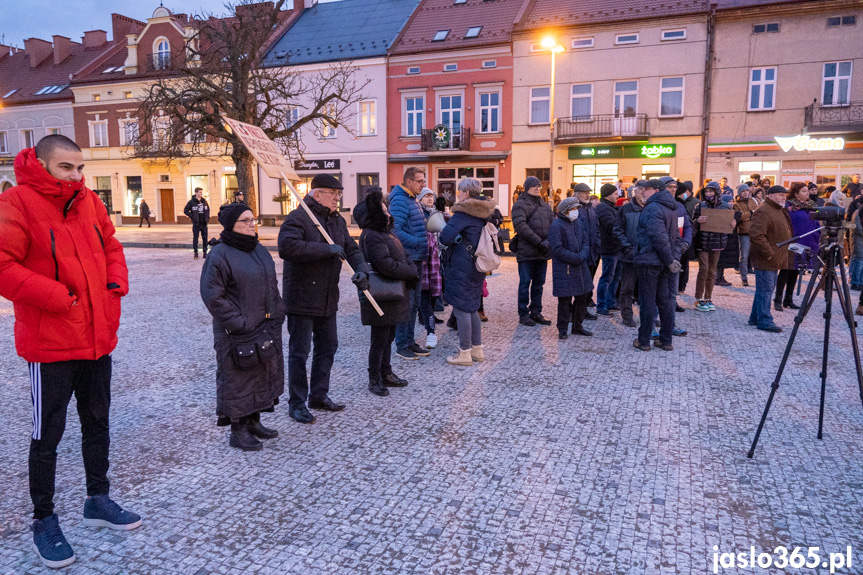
(546, 13)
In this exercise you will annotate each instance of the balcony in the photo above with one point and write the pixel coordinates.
(601, 127)
(159, 62)
(158, 150)
(847, 118)
(459, 140)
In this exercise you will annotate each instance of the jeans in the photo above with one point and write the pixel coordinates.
(405, 336)
(427, 311)
(608, 282)
(380, 350)
(303, 330)
(765, 283)
(469, 328)
(531, 279)
(786, 281)
(202, 230)
(744, 257)
(855, 271)
(653, 293)
(706, 274)
(628, 277)
(51, 388)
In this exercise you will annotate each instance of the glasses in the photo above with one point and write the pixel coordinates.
(336, 193)
(420, 181)
(249, 221)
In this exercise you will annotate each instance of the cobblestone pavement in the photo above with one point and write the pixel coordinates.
(583, 456)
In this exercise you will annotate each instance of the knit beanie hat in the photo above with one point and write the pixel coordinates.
(531, 182)
(425, 192)
(742, 188)
(230, 213)
(606, 190)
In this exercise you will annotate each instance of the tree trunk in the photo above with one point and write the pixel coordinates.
(246, 177)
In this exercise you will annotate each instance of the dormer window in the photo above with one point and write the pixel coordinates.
(473, 32)
(10, 93)
(440, 36)
(162, 55)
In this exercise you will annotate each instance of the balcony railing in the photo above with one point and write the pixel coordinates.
(160, 62)
(846, 118)
(158, 150)
(623, 127)
(459, 140)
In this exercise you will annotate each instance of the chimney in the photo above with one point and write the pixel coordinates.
(309, 3)
(4, 52)
(38, 50)
(131, 63)
(62, 49)
(95, 38)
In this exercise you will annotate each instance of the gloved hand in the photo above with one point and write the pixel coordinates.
(674, 267)
(544, 246)
(338, 251)
(361, 280)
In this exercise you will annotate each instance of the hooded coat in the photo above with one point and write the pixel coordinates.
(708, 241)
(570, 252)
(240, 290)
(531, 218)
(57, 245)
(462, 281)
(386, 256)
(658, 231)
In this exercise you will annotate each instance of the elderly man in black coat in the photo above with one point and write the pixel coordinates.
(311, 293)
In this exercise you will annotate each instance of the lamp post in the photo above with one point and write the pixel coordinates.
(552, 46)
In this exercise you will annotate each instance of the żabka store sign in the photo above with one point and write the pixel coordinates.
(802, 143)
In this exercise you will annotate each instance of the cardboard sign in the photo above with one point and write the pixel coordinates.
(265, 152)
(718, 221)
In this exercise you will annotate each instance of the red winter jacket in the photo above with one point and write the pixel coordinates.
(49, 258)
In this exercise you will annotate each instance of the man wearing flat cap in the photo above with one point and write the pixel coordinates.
(311, 293)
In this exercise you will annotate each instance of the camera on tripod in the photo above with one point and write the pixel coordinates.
(828, 214)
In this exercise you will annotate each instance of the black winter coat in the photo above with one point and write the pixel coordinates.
(531, 218)
(708, 241)
(658, 231)
(145, 210)
(238, 289)
(626, 229)
(587, 219)
(569, 254)
(462, 281)
(606, 213)
(311, 275)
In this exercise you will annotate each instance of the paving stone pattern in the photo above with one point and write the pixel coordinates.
(584, 456)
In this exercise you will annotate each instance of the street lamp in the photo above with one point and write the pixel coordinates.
(552, 46)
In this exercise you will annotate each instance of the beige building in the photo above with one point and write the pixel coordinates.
(786, 99)
(628, 91)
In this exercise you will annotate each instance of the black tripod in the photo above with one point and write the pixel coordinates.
(823, 277)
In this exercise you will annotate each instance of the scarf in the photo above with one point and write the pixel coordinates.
(796, 205)
(240, 241)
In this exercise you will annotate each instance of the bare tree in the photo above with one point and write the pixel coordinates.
(220, 73)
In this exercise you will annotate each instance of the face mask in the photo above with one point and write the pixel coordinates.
(684, 195)
(572, 215)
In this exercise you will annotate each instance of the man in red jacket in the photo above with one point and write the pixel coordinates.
(65, 273)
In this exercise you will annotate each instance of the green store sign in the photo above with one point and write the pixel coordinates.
(637, 151)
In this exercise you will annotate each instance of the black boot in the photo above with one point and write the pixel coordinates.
(392, 380)
(243, 439)
(258, 430)
(376, 386)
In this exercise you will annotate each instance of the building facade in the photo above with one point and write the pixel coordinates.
(790, 106)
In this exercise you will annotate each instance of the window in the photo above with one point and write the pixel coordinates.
(46, 90)
(674, 34)
(127, 95)
(328, 129)
(450, 67)
(413, 116)
(368, 118)
(836, 84)
(535, 47)
(473, 32)
(102, 187)
(450, 113)
(53, 131)
(539, 105)
(134, 195)
(671, 97)
(626, 39)
(459, 1)
(489, 112)
(4, 146)
(582, 101)
(161, 132)
(440, 35)
(293, 117)
(162, 55)
(96, 97)
(762, 89)
(414, 70)
(578, 43)
(489, 64)
(10, 93)
(834, 21)
(194, 136)
(762, 28)
(29, 138)
(849, 20)
(99, 134)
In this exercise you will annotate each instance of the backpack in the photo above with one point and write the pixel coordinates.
(484, 255)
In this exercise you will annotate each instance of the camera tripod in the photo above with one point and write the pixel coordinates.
(824, 277)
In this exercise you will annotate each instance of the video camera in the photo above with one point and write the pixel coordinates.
(828, 214)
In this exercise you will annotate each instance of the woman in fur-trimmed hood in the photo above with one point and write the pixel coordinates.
(463, 282)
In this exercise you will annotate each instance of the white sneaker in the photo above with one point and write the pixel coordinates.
(431, 341)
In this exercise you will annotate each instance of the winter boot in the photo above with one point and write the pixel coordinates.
(462, 358)
(241, 438)
(258, 430)
(476, 353)
(376, 386)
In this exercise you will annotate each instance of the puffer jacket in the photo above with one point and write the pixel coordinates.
(658, 231)
(606, 213)
(410, 224)
(240, 291)
(57, 245)
(626, 229)
(462, 281)
(708, 241)
(569, 254)
(531, 218)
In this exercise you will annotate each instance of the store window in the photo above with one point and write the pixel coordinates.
(133, 195)
(448, 178)
(769, 170)
(649, 171)
(594, 175)
(102, 186)
(540, 174)
(202, 182)
(229, 182)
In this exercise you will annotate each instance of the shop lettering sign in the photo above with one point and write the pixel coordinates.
(802, 143)
(317, 164)
(635, 151)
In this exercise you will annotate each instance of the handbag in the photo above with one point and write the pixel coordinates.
(385, 289)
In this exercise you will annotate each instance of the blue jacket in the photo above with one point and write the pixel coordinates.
(410, 224)
(626, 229)
(569, 255)
(462, 281)
(658, 232)
(590, 222)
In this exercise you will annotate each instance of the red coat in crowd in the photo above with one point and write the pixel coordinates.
(57, 247)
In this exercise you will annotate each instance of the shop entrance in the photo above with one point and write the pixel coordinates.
(594, 175)
(166, 198)
(448, 178)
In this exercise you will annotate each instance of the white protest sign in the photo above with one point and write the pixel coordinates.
(265, 152)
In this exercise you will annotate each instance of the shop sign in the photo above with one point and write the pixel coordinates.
(636, 151)
(317, 164)
(802, 143)
(7, 161)
(441, 135)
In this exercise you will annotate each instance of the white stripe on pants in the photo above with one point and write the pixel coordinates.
(36, 396)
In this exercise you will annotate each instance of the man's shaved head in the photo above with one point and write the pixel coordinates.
(48, 145)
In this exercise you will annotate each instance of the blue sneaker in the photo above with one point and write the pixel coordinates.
(677, 332)
(655, 335)
(48, 541)
(100, 511)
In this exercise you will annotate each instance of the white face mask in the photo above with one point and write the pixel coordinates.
(572, 215)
